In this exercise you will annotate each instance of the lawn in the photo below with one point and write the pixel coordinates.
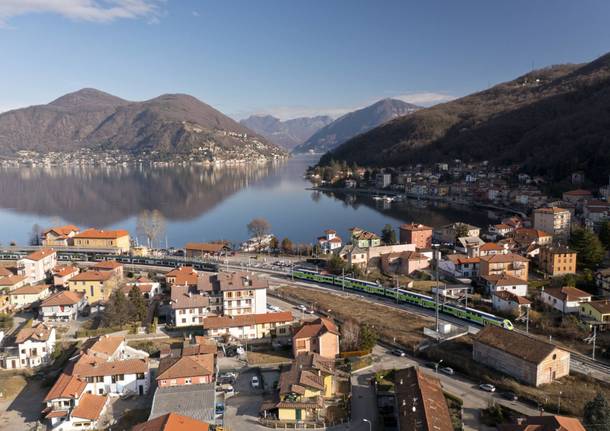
(269, 357)
(11, 384)
(391, 324)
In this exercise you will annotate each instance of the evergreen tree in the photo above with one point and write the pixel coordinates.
(137, 304)
(116, 312)
(368, 337)
(596, 414)
(604, 234)
(589, 248)
(335, 265)
(388, 235)
(274, 243)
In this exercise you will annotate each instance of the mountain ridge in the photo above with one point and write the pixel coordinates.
(288, 133)
(354, 123)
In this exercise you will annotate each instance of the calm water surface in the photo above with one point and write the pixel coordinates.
(199, 203)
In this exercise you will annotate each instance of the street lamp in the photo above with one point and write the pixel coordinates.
(437, 365)
(368, 422)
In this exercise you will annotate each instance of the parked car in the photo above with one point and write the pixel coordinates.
(510, 396)
(398, 352)
(310, 311)
(301, 307)
(229, 375)
(447, 370)
(220, 408)
(228, 390)
(487, 387)
(255, 382)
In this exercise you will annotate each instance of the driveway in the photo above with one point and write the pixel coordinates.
(22, 412)
(241, 410)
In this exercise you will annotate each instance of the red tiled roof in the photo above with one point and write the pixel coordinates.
(508, 296)
(11, 280)
(65, 297)
(101, 234)
(105, 344)
(172, 422)
(186, 366)
(316, 328)
(205, 247)
(90, 406)
(62, 230)
(63, 270)
(66, 386)
(107, 265)
(30, 289)
(93, 276)
(40, 254)
(567, 293)
(39, 332)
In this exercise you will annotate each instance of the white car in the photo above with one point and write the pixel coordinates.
(487, 387)
(255, 382)
(302, 307)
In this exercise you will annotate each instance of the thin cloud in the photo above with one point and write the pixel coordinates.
(84, 10)
(195, 13)
(425, 99)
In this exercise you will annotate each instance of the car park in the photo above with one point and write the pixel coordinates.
(487, 387)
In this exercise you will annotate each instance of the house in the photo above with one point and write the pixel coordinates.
(508, 302)
(28, 295)
(330, 241)
(319, 336)
(188, 308)
(195, 401)
(460, 265)
(182, 276)
(528, 236)
(383, 180)
(37, 266)
(491, 248)
(566, 299)
(148, 288)
(364, 239)
(404, 263)
(554, 220)
(104, 366)
(510, 263)
(602, 278)
(33, 348)
(353, 256)
(420, 400)
(62, 274)
(576, 196)
(595, 211)
(186, 370)
(500, 229)
(12, 282)
(111, 266)
(96, 285)
(117, 240)
(544, 423)
(172, 422)
(250, 326)
(527, 359)
(238, 292)
(59, 236)
(63, 305)
(505, 282)
(599, 311)
(205, 249)
(449, 233)
(302, 389)
(557, 260)
(469, 245)
(416, 233)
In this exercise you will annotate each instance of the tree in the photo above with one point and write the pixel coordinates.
(138, 304)
(287, 246)
(604, 234)
(117, 312)
(596, 414)
(350, 335)
(258, 228)
(388, 235)
(335, 264)
(461, 230)
(274, 243)
(368, 337)
(589, 248)
(150, 225)
(35, 235)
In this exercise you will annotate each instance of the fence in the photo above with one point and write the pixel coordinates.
(311, 425)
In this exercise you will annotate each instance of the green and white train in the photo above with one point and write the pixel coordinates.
(406, 296)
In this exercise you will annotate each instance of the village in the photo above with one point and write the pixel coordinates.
(500, 326)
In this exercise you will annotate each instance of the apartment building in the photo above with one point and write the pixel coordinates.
(557, 260)
(511, 264)
(117, 240)
(59, 236)
(240, 292)
(416, 233)
(37, 266)
(97, 286)
(555, 221)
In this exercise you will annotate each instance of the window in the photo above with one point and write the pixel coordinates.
(140, 376)
(187, 381)
(183, 320)
(172, 382)
(100, 391)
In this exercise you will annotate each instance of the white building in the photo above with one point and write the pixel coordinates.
(555, 221)
(63, 305)
(507, 302)
(330, 241)
(505, 282)
(37, 266)
(28, 295)
(33, 348)
(383, 180)
(566, 299)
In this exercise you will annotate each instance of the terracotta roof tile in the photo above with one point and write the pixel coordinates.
(63, 270)
(186, 366)
(40, 332)
(93, 276)
(35, 289)
(567, 293)
(11, 280)
(172, 422)
(521, 346)
(107, 265)
(90, 406)
(40, 254)
(101, 234)
(66, 386)
(65, 297)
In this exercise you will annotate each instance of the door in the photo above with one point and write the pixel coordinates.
(141, 390)
(298, 414)
(14, 364)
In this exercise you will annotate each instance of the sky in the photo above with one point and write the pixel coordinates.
(287, 58)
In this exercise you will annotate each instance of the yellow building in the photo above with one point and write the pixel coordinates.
(103, 239)
(558, 260)
(96, 285)
(303, 388)
(596, 310)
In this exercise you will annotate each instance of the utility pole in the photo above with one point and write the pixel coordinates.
(594, 339)
(343, 279)
(527, 319)
(436, 296)
(396, 290)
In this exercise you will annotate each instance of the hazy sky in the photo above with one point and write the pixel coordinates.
(287, 57)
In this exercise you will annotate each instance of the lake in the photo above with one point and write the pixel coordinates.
(199, 203)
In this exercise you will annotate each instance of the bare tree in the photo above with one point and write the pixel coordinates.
(151, 225)
(350, 335)
(258, 228)
(35, 235)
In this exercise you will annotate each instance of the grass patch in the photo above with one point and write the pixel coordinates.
(269, 357)
(391, 324)
(455, 410)
(11, 383)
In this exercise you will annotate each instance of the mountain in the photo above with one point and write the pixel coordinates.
(550, 122)
(354, 123)
(287, 134)
(169, 124)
